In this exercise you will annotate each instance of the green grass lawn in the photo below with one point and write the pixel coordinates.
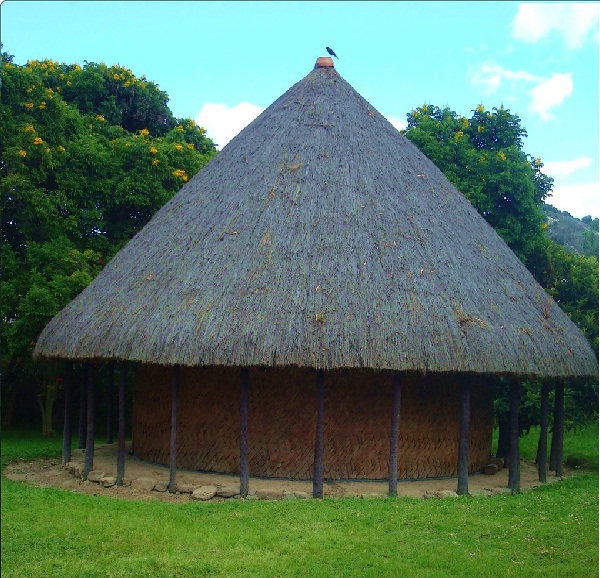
(551, 531)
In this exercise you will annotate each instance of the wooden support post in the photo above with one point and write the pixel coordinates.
(396, 397)
(556, 454)
(82, 408)
(463, 441)
(121, 433)
(244, 476)
(318, 461)
(88, 465)
(110, 395)
(542, 450)
(173, 449)
(514, 473)
(68, 423)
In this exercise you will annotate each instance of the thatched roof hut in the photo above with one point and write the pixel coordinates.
(321, 237)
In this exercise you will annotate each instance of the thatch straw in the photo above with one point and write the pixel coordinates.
(321, 237)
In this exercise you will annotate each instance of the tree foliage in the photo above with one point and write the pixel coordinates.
(88, 155)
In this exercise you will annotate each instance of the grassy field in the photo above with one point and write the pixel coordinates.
(551, 531)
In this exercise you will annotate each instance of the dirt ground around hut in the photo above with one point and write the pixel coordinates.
(146, 481)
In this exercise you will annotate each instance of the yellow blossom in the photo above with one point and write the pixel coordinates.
(47, 149)
(179, 147)
(29, 128)
(29, 90)
(154, 162)
(60, 149)
(480, 128)
(43, 104)
(544, 225)
(480, 108)
(115, 77)
(538, 162)
(190, 146)
(153, 150)
(37, 140)
(29, 105)
(179, 128)
(126, 83)
(144, 132)
(77, 67)
(100, 118)
(501, 156)
(23, 153)
(459, 134)
(180, 173)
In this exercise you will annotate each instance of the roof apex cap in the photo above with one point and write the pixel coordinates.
(324, 62)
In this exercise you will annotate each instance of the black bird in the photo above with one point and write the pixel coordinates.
(331, 51)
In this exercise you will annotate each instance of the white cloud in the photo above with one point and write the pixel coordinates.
(491, 75)
(575, 22)
(550, 94)
(545, 95)
(222, 122)
(579, 200)
(565, 168)
(397, 123)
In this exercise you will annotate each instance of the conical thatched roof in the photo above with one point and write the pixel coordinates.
(320, 236)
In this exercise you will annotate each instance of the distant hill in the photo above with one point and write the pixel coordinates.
(577, 235)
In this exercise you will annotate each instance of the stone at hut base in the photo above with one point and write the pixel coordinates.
(143, 484)
(161, 487)
(185, 488)
(490, 469)
(95, 476)
(108, 481)
(204, 493)
(297, 495)
(228, 492)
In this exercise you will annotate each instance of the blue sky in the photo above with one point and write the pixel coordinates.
(222, 63)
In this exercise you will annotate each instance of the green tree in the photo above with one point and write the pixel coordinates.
(483, 157)
(88, 155)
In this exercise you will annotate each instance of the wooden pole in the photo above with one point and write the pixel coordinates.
(82, 409)
(110, 394)
(558, 428)
(463, 441)
(244, 476)
(89, 441)
(542, 450)
(173, 449)
(68, 423)
(318, 461)
(514, 474)
(121, 433)
(396, 397)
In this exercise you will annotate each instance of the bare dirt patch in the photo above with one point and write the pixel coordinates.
(146, 481)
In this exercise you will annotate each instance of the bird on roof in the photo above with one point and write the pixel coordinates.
(331, 52)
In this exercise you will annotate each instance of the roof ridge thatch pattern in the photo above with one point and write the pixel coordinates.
(322, 237)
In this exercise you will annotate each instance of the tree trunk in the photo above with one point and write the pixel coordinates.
(463, 442)
(89, 442)
(46, 401)
(121, 434)
(173, 450)
(556, 453)
(542, 450)
(514, 474)
(318, 461)
(396, 398)
(244, 476)
(110, 394)
(67, 424)
(503, 440)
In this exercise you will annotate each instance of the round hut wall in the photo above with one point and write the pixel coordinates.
(282, 422)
